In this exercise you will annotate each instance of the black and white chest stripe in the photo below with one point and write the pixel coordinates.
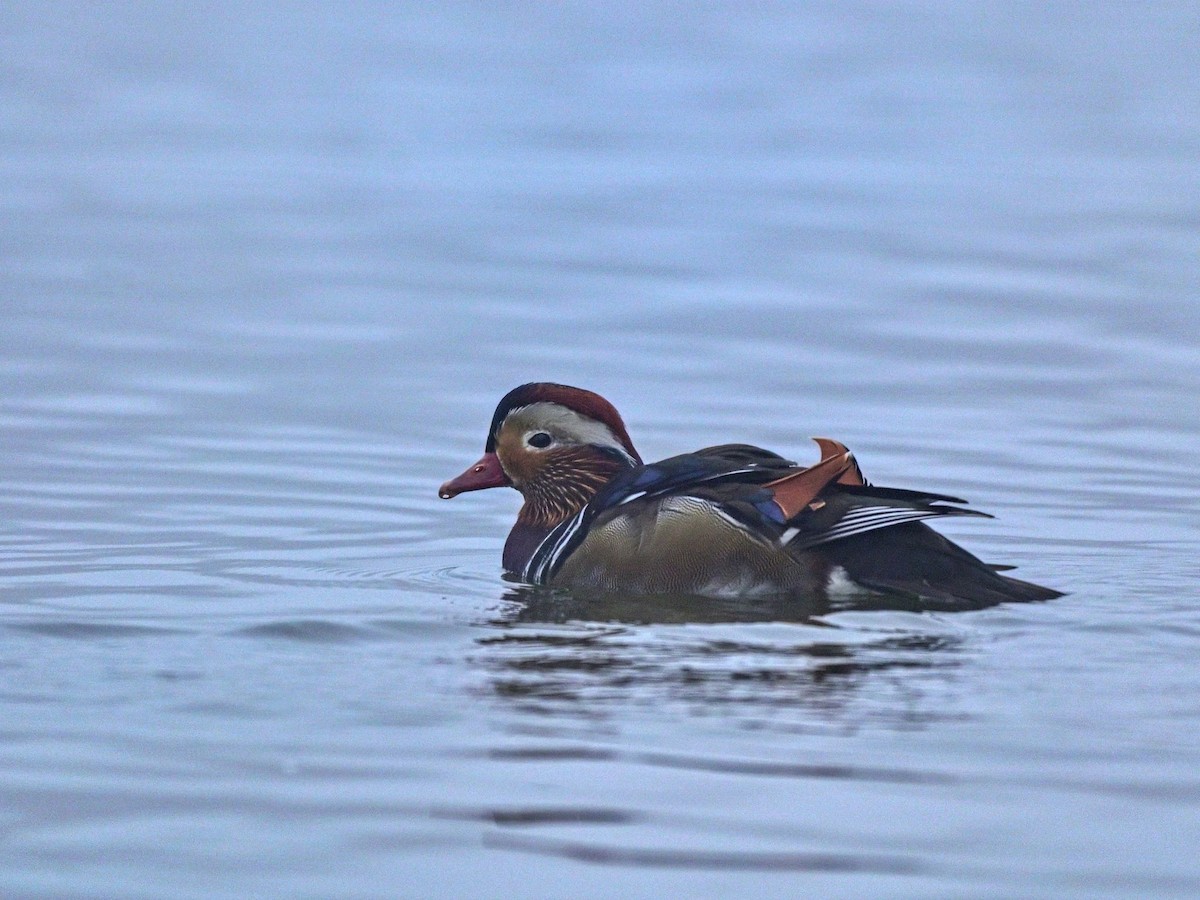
(554, 548)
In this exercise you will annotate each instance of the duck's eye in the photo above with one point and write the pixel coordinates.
(541, 440)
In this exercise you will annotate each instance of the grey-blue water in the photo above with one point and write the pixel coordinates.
(266, 269)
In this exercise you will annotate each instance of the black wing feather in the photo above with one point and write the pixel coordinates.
(918, 563)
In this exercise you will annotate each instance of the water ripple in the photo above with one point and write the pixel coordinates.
(756, 768)
(92, 630)
(309, 631)
(521, 817)
(797, 861)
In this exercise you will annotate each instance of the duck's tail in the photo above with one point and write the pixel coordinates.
(913, 561)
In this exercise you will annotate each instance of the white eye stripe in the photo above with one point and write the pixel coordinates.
(564, 424)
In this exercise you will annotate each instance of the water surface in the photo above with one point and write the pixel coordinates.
(266, 273)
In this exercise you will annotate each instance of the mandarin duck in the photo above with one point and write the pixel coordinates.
(732, 520)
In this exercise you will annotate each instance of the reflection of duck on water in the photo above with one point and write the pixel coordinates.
(726, 521)
(541, 604)
(564, 652)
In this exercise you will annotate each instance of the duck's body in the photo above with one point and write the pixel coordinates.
(731, 520)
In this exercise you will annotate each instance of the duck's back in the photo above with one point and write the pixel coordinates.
(711, 523)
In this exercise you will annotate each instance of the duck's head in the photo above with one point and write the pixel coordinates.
(555, 444)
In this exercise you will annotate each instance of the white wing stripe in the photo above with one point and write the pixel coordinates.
(843, 530)
(851, 524)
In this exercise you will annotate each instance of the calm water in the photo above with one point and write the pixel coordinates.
(265, 274)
